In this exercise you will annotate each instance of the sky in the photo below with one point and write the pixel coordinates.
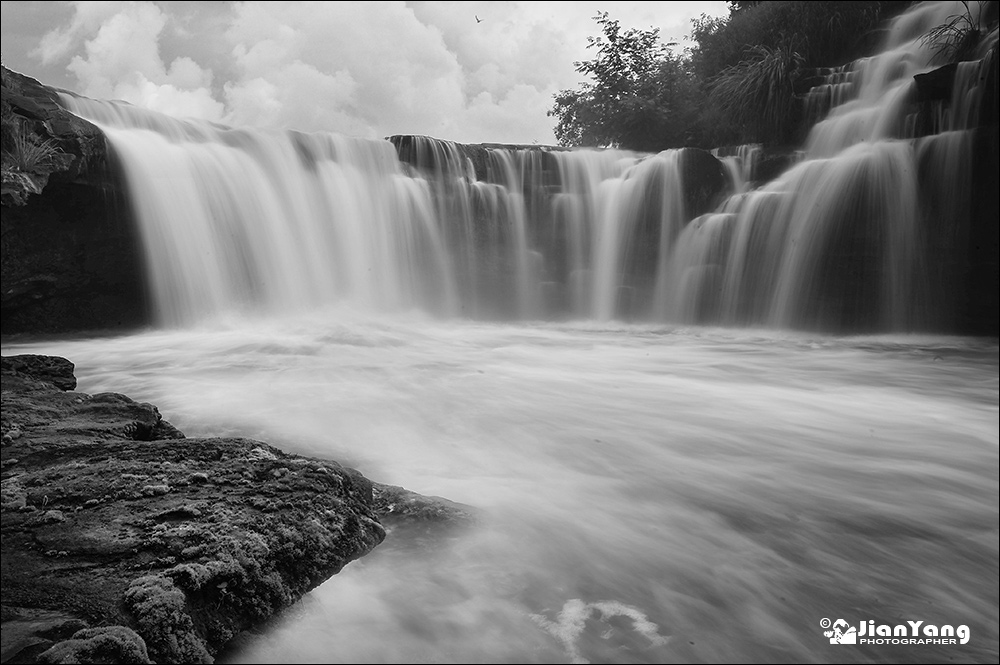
(471, 72)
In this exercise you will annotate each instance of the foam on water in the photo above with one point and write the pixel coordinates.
(724, 488)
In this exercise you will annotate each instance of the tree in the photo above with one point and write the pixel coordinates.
(641, 97)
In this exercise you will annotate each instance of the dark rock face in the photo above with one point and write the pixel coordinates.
(70, 262)
(69, 256)
(51, 369)
(936, 84)
(705, 181)
(124, 543)
(980, 312)
(33, 112)
(972, 289)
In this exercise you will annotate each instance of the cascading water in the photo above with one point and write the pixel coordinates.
(740, 166)
(283, 220)
(844, 240)
(279, 221)
(577, 210)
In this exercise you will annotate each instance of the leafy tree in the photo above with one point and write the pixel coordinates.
(641, 96)
(737, 5)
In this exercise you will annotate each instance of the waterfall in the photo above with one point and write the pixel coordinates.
(274, 221)
(868, 230)
(511, 174)
(587, 178)
(740, 166)
(860, 234)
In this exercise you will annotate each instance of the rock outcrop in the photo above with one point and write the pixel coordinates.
(70, 253)
(125, 542)
(44, 141)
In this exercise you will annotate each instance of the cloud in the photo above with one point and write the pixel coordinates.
(121, 60)
(521, 112)
(295, 96)
(510, 47)
(340, 61)
(87, 18)
(367, 69)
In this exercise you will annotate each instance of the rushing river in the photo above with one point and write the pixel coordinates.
(649, 494)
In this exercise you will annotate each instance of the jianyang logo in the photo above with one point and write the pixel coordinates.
(909, 632)
(840, 632)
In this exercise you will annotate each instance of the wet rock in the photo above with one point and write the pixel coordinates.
(52, 369)
(936, 84)
(70, 257)
(77, 147)
(415, 522)
(159, 546)
(705, 181)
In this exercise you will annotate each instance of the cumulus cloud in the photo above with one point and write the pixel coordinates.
(121, 60)
(325, 63)
(87, 19)
(368, 69)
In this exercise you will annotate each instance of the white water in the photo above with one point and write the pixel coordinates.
(845, 240)
(702, 495)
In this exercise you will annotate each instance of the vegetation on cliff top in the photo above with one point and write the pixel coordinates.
(737, 84)
(26, 157)
(959, 37)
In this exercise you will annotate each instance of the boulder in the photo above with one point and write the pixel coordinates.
(705, 181)
(935, 85)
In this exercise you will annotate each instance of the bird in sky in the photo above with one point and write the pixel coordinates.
(478, 20)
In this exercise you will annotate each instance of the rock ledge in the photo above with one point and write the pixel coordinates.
(123, 541)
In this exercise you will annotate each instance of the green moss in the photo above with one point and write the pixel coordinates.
(160, 610)
(110, 644)
(192, 577)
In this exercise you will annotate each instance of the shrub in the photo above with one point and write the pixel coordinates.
(28, 156)
(757, 93)
(959, 37)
